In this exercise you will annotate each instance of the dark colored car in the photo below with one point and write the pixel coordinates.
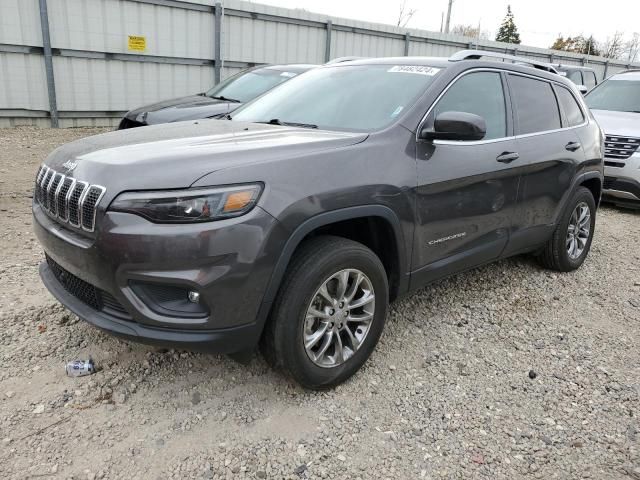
(584, 77)
(222, 99)
(294, 224)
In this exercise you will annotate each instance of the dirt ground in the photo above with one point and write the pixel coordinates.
(508, 371)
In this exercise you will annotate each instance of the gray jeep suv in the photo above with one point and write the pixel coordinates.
(294, 224)
(615, 104)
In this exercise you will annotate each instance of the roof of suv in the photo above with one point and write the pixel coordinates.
(294, 67)
(634, 74)
(560, 66)
(428, 61)
(443, 63)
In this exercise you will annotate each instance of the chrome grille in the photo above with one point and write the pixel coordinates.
(69, 200)
(51, 193)
(89, 203)
(620, 147)
(44, 198)
(63, 208)
(74, 203)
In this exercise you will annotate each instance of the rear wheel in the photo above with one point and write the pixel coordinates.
(329, 313)
(570, 244)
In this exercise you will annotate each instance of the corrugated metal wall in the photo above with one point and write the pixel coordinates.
(97, 78)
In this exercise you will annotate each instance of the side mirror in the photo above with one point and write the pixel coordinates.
(455, 126)
(582, 89)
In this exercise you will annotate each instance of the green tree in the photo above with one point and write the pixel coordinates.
(565, 44)
(508, 31)
(579, 44)
(589, 46)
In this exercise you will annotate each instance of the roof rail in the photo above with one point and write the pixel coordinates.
(344, 59)
(478, 54)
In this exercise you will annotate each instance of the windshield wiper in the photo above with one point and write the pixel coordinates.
(223, 98)
(277, 121)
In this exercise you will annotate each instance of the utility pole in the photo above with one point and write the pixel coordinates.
(441, 21)
(448, 24)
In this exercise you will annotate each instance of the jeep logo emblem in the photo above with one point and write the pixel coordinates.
(69, 165)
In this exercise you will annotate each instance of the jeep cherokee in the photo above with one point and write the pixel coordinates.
(295, 223)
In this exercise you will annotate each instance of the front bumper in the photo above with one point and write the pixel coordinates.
(622, 183)
(228, 262)
(227, 340)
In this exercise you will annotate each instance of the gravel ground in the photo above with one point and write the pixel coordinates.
(507, 371)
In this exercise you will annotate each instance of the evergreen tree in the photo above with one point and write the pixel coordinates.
(508, 31)
(588, 46)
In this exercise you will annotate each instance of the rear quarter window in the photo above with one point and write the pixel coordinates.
(570, 107)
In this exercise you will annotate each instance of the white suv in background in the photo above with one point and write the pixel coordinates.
(616, 105)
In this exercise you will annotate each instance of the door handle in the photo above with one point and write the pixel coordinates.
(507, 157)
(572, 146)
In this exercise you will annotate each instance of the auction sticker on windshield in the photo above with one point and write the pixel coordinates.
(419, 69)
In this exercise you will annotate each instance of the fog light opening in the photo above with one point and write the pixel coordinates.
(171, 300)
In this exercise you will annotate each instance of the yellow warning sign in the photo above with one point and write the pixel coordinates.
(137, 44)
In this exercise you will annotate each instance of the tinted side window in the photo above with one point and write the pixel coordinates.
(570, 107)
(536, 105)
(575, 77)
(479, 93)
(589, 79)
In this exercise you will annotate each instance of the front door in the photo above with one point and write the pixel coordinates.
(467, 191)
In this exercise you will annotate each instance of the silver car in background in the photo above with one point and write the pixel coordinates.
(616, 105)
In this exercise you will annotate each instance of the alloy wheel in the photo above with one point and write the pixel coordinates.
(339, 318)
(579, 230)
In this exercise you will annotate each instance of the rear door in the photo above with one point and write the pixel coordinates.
(466, 196)
(550, 152)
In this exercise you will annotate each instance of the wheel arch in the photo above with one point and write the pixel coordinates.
(594, 184)
(331, 223)
(591, 180)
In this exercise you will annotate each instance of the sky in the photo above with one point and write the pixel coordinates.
(539, 21)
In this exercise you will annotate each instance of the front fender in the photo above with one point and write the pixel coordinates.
(323, 219)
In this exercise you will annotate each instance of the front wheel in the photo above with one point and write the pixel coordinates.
(329, 313)
(571, 241)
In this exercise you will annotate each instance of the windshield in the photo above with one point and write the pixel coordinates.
(620, 93)
(247, 85)
(342, 97)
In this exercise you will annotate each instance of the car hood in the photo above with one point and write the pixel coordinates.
(192, 107)
(624, 124)
(177, 155)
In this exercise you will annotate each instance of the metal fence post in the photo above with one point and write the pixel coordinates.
(48, 63)
(217, 47)
(327, 50)
(407, 42)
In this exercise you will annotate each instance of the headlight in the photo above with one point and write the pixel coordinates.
(189, 206)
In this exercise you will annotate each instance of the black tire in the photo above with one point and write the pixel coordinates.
(555, 255)
(315, 261)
